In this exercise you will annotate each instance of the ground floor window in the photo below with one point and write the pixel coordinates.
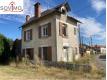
(45, 53)
(29, 53)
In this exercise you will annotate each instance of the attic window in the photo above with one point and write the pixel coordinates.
(63, 10)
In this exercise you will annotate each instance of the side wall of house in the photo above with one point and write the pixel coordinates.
(71, 41)
(41, 42)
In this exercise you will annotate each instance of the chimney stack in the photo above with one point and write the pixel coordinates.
(27, 18)
(37, 10)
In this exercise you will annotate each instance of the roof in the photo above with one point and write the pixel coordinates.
(49, 11)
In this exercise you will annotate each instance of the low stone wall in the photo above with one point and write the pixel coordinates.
(74, 67)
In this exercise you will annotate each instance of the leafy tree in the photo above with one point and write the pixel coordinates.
(5, 57)
(1, 44)
(4, 50)
(16, 51)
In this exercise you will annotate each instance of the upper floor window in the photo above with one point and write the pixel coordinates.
(75, 31)
(62, 29)
(28, 35)
(45, 30)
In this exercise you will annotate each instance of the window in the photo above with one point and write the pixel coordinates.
(63, 10)
(45, 30)
(63, 29)
(28, 35)
(74, 31)
(30, 53)
(45, 53)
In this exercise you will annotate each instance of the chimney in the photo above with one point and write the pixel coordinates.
(27, 18)
(37, 10)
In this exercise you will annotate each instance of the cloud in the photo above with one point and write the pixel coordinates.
(9, 17)
(98, 5)
(101, 35)
(28, 10)
(91, 27)
(28, 7)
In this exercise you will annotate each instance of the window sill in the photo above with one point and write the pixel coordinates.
(64, 36)
(27, 40)
(44, 37)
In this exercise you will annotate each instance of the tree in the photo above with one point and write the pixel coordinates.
(16, 51)
(1, 44)
(4, 50)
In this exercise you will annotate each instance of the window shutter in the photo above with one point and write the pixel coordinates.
(23, 53)
(32, 53)
(24, 35)
(39, 31)
(74, 31)
(49, 54)
(60, 29)
(39, 52)
(31, 34)
(49, 29)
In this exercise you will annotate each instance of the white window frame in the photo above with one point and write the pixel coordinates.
(44, 31)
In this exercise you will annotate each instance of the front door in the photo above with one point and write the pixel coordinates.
(65, 54)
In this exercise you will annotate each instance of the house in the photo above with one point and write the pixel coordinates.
(51, 35)
(103, 50)
(100, 49)
(84, 48)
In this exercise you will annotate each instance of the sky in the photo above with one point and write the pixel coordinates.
(92, 14)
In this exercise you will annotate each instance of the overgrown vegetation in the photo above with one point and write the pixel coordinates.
(16, 51)
(4, 49)
(86, 59)
(8, 50)
(41, 72)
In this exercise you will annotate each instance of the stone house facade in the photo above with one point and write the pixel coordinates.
(51, 35)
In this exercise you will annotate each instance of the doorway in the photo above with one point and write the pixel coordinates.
(65, 54)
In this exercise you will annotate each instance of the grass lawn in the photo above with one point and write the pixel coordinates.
(43, 73)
